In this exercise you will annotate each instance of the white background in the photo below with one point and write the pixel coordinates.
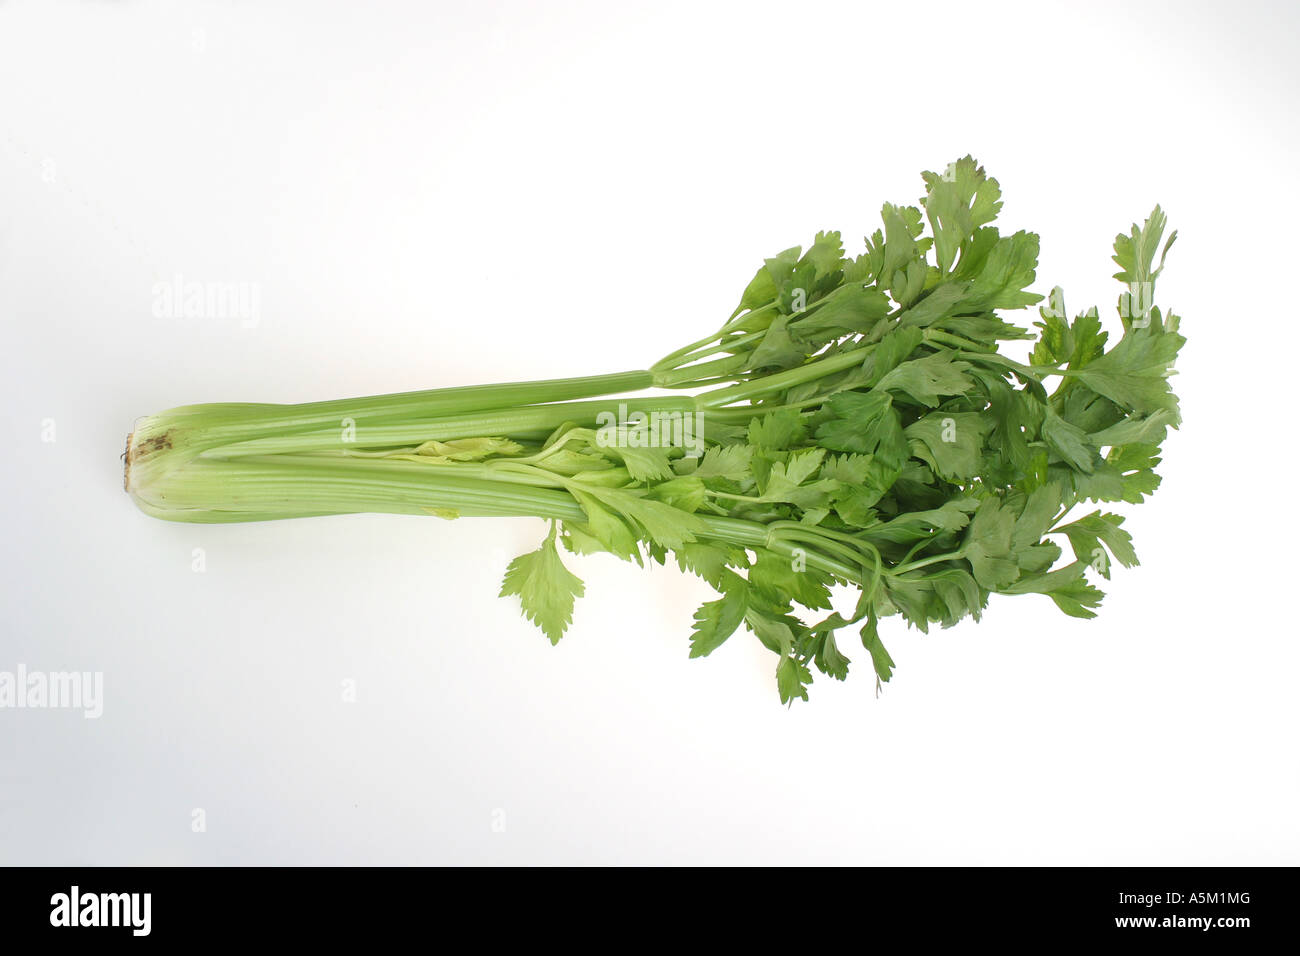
(435, 194)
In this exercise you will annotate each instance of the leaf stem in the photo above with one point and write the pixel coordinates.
(926, 562)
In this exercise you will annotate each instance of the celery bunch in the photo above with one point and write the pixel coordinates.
(853, 422)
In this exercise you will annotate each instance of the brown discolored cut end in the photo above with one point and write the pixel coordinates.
(126, 464)
(137, 450)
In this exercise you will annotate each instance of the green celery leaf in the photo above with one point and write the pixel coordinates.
(665, 525)
(1088, 534)
(989, 548)
(958, 594)
(956, 203)
(1069, 441)
(602, 531)
(1137, 429)
(779, 580)
(950, 442)
(762, 289)
(854, 504)
(711, 561)
(828, 658)
(1066, 586)
(902, 225)
(935, 306)
(777, 430)
(546, 588)
(643, 463)
(850, 308)
(1135, 373)
(880, 659)
(725, 461)
(864, 423)
(777, 350)
(952, 515)
(715, 621)
(792, 679)
(1017, 417)
(686, 492)
(849, 469)
(1040, 510)
(1000, 270)
(1136, 252)
(774, 631)
(927, 379)
(892, 350)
